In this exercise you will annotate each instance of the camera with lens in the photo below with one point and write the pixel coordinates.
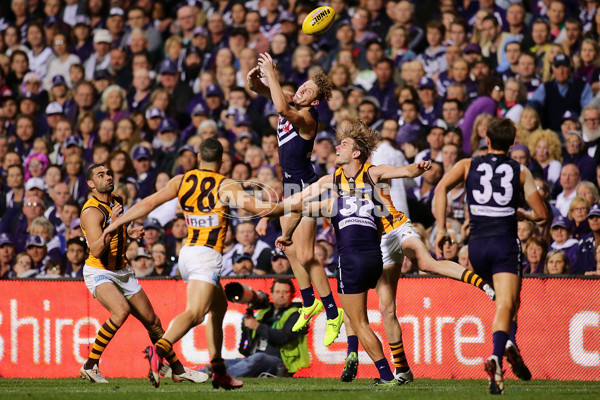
(254, 300)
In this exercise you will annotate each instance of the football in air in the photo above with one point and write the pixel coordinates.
(318, 20)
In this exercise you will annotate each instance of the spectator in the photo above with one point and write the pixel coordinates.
(153, 232)
(42, 227)
(37, 248)
(572, 93)
(569, 179)
(60, 63)
(578, 211)
(280, 265)
(161, 260)
(557, 263)
(535, 254)
(249, 244)
(434, 56)
(142, 264)
(546, 152)
(561, 229)
(100, 59)
(397, 40)
(588, 191)
(7, 256)
(24, 266)
(76, 255)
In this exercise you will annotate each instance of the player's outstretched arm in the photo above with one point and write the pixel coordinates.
(455, 176)
(532, 197)
(232, 193)
(311, 208)
(281, 99)
(383, 172)
(148, 204)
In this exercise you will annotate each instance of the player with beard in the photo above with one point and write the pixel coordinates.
(110, 279)
(296, 132)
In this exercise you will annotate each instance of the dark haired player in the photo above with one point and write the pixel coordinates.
(296, 132)
(205, 197)
(109, 277)
(494, 183)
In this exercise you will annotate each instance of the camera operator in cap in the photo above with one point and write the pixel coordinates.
(268, 341)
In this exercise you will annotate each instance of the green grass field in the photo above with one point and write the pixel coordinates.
(291, 389)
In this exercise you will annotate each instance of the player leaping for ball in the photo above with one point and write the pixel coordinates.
(400, 238)
(110, 279)
(205, 197)
(296, 131)
(494, 184)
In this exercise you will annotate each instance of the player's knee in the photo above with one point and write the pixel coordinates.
(196, 318)
(305, 257)
(387, 309)
(119, 316)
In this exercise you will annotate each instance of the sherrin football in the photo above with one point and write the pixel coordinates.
(318, 20)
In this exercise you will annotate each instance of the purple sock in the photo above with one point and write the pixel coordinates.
(500, 339)
(308, 296)
(385, 372)
(352, 344)
(513, 333)
(330, 307)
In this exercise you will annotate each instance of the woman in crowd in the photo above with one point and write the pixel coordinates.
(40, 53)
(576, 153)
(127, 134)
(535, 254)
(61, 62)
(302, 60)
(35, 166)
(15, 180)
(397, 42)
(114, 104)
(139, 98)
(106, 132)
(545, 148)
(24, 267)
(530, 122)
(162, 260)
(479, 130)
(121, 165)
(340, 77)
(515, 95)
(82, 43)
(86, 129)
(578, 211)
(588, 63)
(588, 191)
(557, 263)
(560, 231)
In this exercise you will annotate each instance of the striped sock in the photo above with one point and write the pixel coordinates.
(104, 335)
(155, 335)
(163, 348)
(218, 366)
(400, 362)
(472, 278)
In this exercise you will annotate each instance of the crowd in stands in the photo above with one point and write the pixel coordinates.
(139, 84)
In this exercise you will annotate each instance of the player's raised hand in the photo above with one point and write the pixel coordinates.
(135, 232)
(254, 73)
(261, 227)
(283, 242)
(266, 63)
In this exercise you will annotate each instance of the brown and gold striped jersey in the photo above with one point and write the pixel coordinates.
(114, 257)
(363, 185)
(205, 214)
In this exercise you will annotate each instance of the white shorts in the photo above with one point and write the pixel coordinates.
(124, 279)
(391, 243)
(201, 264)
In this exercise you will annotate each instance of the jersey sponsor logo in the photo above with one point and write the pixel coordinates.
(357, 221)
(489, 211)
(201, 221)
(99, 278)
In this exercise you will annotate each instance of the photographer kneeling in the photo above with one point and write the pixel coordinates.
(267, 339)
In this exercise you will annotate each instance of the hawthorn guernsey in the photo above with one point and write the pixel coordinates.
(318, 20)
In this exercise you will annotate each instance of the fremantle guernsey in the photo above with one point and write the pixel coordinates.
(356, 225)
(294, 154)
(493, 189)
